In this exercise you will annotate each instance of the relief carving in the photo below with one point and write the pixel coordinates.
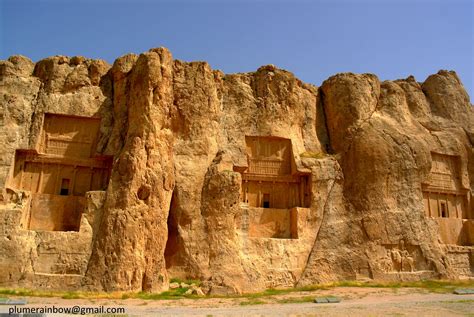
(272, 187)
(444, 195)
(59, 172)
(271, 180)
(397, 258)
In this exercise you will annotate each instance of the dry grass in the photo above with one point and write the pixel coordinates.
(433, 286)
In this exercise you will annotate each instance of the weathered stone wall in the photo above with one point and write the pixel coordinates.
(177, 133)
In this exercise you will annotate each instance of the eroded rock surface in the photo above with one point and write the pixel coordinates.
(244, 181)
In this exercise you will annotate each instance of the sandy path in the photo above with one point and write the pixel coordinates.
(355, 302)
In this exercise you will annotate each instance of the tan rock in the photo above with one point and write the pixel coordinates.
(448, 98)
(199, 292)
(244, 181)
(132, 229)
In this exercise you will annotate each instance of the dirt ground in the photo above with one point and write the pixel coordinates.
(356, 301)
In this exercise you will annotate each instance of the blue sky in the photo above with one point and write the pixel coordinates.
(312, 39)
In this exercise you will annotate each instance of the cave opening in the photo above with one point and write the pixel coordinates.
(172, 245)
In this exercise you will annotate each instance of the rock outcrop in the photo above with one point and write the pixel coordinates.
(244, 181)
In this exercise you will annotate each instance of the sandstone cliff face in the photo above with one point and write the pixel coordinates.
(133, 228)
(62, 85)
(359, 201)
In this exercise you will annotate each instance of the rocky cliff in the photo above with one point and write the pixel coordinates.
(244, 181)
